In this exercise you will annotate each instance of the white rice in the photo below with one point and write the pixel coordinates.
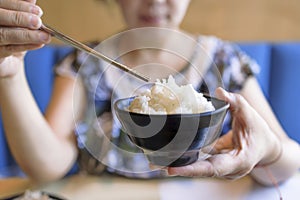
(166, 97)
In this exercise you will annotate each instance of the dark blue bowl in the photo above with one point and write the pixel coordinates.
(173, 139)
(21, 196)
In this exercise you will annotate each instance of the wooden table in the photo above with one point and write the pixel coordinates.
(84, 187)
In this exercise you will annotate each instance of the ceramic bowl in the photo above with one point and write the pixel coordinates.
(172, 139)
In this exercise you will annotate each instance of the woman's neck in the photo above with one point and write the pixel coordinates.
(156, 52)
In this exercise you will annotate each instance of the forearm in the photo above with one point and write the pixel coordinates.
(287, 165)
(31, 139)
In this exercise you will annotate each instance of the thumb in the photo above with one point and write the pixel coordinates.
(236, 101)
(222, 94)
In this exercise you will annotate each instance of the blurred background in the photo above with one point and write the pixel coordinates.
(236, 20)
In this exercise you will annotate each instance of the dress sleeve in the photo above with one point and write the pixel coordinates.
(91, 70)
(69, 66)
(235, 66)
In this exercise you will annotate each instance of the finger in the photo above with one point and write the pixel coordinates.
(232, 165)
(31, 1)
(225, 165)
(237, 175)
(237, 102)
(227, 96)
(10, 49)
(201, 168)
(22, 6)
(221, 93)
(223, 144)
(19, 19)
(9, 36)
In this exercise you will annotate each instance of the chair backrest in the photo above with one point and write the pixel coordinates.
(285, 86)
(280, 80)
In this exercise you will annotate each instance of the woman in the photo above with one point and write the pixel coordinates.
(254, 141)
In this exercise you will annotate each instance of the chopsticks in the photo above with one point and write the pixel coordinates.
(68, 40)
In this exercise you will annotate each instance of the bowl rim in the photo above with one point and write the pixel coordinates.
(202, 114)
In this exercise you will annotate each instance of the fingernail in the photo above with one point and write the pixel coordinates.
(45, 37)
(171, 174)
(225, 93)
(221, 93)
(35, 22)
(36, 10)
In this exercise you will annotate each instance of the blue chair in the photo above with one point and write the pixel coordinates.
(280, 80)
(39, 70)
